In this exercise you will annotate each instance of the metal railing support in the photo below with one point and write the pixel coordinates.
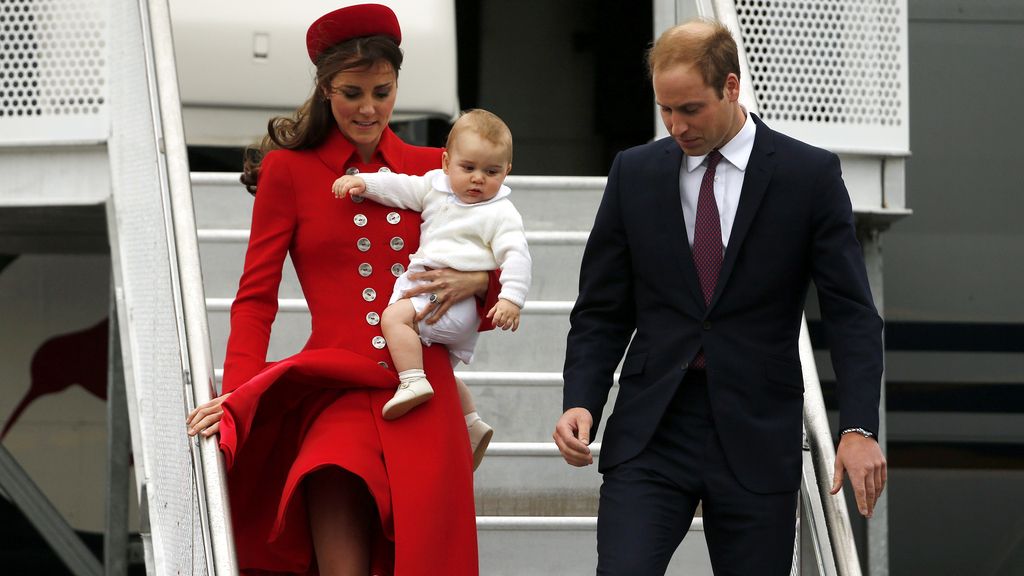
(41, 513)
(210, 475)
(119, 449)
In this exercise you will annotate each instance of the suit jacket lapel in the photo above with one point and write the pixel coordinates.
(755, 183)
(666, 183)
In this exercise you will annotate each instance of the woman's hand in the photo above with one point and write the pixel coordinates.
(205, 419)
(446, 287)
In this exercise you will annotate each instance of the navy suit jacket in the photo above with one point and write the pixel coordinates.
(794, 224)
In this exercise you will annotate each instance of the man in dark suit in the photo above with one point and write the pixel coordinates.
(704, 245)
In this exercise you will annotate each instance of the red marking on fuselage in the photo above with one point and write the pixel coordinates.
(63, 361)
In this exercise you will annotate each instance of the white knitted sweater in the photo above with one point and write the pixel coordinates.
(467, 237)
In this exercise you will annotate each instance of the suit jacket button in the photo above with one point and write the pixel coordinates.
(707, 325)
(685, 366)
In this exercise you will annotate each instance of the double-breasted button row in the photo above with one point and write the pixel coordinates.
(396, 243)
(361, 219)
(365, 269)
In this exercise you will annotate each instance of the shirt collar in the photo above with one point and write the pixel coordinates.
(736, 151)
(439, 180)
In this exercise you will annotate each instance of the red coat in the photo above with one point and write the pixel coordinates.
(322, 406)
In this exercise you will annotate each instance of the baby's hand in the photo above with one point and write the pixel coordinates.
(353, 185)
(505, 315)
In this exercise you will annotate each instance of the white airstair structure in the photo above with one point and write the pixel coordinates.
(91, 143)
(110, 143)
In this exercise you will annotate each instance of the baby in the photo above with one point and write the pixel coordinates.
(469, 224)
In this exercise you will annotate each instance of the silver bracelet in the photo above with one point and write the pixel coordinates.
(861, 431)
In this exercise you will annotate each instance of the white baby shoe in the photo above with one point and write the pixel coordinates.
(408, 396)
(479, 437)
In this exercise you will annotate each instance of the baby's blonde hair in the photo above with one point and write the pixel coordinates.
(486, 125)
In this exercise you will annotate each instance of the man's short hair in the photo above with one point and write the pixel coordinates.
(706, 44)
(486, 125)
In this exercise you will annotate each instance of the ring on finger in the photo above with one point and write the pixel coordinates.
(434, 299)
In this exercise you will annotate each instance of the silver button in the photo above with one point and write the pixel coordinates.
(384, 169)
(363, 244)
(397, 270)
(357, 199)
(365, 269)
(352, 171)
(394, 217)
(373, 318)
(360, 220)
(378, 342)
(397, 243)
(383, 365)
(369, 294)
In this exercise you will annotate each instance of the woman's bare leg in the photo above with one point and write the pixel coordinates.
(341, 516)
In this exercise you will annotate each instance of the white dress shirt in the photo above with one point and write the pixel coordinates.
(728, 180)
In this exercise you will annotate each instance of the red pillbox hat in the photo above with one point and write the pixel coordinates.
(351, 22)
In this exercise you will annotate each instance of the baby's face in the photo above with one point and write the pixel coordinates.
(475, 167)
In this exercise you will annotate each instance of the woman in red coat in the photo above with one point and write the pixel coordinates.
(318, 480)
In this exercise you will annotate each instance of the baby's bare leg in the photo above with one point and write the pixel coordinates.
(465, 398)
(399, 327)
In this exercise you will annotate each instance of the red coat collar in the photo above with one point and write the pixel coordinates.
(339, 154)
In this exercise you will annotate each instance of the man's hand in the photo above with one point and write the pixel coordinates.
(348, 184)
(861, 458)
(572, 435)
(505, 315)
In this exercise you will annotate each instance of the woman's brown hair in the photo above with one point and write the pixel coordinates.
(311, 123)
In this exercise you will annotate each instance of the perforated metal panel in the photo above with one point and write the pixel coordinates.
(831, 72)
(53, 71)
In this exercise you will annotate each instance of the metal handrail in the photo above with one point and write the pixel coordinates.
(210, 475)
(819, 439)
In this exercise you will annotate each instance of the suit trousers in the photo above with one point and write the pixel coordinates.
(647, 503)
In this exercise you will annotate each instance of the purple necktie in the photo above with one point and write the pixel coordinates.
(707, 238)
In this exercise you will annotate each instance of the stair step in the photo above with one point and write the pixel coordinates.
(538, 345)
(556, 262)
(566, 546)
(532, 479)
(545, 202)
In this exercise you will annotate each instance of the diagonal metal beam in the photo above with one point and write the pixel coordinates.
(24, 493)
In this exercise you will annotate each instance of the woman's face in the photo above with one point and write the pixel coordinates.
(362, 100)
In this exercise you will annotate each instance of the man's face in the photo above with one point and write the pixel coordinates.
(697, 116)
